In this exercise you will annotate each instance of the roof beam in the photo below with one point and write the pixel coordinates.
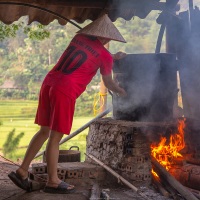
(108, 4)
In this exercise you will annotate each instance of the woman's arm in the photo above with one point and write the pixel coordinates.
(111, 85)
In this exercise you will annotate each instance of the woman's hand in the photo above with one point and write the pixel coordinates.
(113, 86)
(121, 92)
(119, 55)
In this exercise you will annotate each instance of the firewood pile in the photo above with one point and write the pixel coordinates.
(169, 186)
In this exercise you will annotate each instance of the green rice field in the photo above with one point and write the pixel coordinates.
(19, 115)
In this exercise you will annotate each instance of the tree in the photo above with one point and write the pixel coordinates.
(11, 143)
(33, 31)
(140, 34)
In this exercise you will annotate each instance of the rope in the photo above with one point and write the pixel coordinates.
(99, 99)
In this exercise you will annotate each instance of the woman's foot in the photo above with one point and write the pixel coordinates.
(61, 188)
(55, 184)
(22, 173)
(20, 182)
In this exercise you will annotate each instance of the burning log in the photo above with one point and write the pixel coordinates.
(164, 188)
(159, 186)
(170, 189)
(162, 172)
(188, 175)
(195, 192)
(193, 161)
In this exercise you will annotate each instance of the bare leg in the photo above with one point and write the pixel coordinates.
(52, 153)
(36, 143)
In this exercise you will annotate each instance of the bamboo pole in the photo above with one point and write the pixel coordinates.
(120, 178)
(162, 172)
(79, 130)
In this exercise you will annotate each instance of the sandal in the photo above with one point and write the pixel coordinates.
(18, 181)
(63, 188)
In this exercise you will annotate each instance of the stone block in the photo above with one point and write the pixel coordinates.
(40, 177)
(39, 168)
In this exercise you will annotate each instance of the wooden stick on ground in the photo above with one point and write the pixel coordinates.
(117, 175)
(162, 172)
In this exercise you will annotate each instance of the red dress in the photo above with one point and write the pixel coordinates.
(68, 80)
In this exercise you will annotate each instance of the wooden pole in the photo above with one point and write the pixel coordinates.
(170, 36)
(162, 172)
(120, 178)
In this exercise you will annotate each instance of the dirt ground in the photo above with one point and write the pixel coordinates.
(8, 191)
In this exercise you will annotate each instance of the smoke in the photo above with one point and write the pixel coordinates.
(188, 48)
(150, 81)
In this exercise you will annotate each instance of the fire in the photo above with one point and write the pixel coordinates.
(166, 151)
(154, 173)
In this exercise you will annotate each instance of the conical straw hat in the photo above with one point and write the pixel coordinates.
(103, 27)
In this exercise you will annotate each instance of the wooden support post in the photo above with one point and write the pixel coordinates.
(170, 36)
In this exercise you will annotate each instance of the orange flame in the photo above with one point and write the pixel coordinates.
(154, 173)
(165, 151)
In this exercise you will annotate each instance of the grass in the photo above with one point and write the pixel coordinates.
(20, 115)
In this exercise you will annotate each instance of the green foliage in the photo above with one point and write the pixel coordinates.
(16, 114)
(7, 31)
(35, 31)
(11, 143)
(140, 34)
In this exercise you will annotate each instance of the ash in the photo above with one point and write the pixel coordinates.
(120, 193)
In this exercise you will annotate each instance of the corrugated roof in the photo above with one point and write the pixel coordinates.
(78, 10)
